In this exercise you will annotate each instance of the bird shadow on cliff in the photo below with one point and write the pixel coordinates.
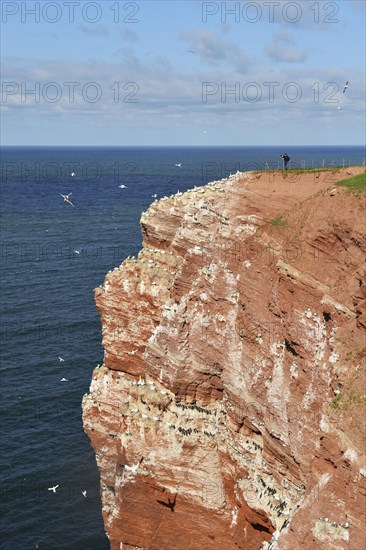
(170, 504)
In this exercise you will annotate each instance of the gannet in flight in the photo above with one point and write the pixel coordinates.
(53, 488)
(66, 198)
(83, 493)
(154, 195)
(72, 174)
(60, 359)
(122, 186)
(345, 86)
(64, 380)
(178, 164)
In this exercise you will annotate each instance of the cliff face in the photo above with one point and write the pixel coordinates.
(230, 410)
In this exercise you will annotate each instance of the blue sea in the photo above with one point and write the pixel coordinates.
(53, 255)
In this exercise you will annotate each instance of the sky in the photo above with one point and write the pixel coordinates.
(188, 72)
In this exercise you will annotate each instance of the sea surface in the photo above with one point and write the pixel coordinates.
(53, 255)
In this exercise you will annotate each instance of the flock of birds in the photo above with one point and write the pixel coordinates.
(62, 360)
(67, 201)
(55, 487)
(122, 186)
(178, 165)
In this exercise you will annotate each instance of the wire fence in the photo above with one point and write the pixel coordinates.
(308, 164)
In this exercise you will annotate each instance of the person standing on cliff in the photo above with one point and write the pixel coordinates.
(286, 160)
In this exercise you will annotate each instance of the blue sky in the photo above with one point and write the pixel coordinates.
(183, 72)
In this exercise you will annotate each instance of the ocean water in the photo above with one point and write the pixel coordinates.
(53, 255)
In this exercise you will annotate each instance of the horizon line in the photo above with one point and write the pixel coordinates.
(189, 145)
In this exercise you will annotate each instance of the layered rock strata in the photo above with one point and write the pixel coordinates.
(229, 412)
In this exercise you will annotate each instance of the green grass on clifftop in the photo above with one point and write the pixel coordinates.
(279, 221)
(318, 170)
(355, 185)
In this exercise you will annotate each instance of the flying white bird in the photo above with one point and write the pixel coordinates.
(72, 174)
(83, 493)
(64, 380)
(53, 488)
(66, 198)
(60, 359)
(122, 186)
(76, 251)
(178, 165)
(345, 86)
(154, 195)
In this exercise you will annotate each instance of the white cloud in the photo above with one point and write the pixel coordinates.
(214, 51)
(98, 30)
(129, 34)
(170, 99)
(283, 49)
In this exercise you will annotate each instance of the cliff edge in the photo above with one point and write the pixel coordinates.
(230, 409)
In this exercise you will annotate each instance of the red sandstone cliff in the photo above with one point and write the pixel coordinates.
(230, 409)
